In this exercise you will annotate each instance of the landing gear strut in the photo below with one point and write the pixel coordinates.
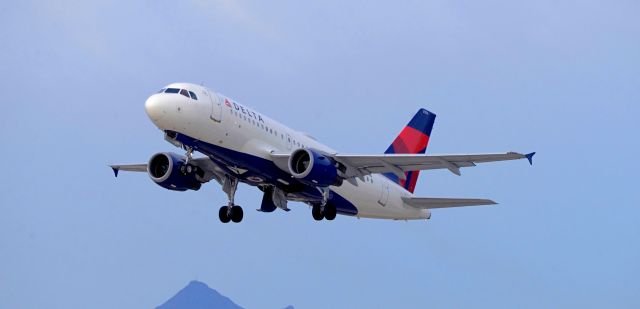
(231, 212)
(189, 154)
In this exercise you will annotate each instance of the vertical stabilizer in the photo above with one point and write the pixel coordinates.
(413, 138)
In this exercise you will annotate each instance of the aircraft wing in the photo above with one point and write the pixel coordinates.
(398, 164)
(128, 167)
(431, 203)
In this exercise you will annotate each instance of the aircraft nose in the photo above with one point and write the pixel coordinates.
(154, 107)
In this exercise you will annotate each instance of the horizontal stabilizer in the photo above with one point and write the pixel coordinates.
(431, 203)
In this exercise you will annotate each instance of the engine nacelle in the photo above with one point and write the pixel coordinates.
(170, 171)
(314, 168)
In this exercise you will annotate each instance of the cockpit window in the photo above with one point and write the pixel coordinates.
(184, 92)
(193, 95)
(162, 90)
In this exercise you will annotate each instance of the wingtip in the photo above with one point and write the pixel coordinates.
(115, 171)
(529, 157)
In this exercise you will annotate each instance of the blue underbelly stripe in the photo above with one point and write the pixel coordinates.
(263, 168)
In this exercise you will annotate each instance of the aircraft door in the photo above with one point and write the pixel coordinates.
(289, 141)
(384, 193)
(216, 107)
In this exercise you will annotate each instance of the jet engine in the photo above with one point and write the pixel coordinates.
(314, 168)
(170, 171)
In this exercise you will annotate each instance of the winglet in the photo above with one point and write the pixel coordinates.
(529, 157)
(115, 171)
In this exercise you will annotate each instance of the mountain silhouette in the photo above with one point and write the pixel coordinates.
(197, 295)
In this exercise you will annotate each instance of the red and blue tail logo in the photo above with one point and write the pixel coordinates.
(414, 138)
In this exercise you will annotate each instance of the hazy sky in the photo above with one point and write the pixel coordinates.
(557, 77)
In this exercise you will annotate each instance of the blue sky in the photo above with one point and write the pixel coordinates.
(556, 77)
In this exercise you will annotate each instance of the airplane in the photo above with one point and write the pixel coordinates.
(241, 145)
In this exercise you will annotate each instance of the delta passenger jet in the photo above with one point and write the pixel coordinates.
(242, 145)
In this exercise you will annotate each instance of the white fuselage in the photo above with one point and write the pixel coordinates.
(229, 126)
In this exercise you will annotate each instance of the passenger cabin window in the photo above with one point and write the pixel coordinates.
(184, 93)
(172, 90)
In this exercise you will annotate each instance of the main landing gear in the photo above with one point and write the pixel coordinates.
(328, 212)
(324, 210)
(231, 212)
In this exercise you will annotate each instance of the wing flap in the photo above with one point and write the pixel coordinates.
(431, 203)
